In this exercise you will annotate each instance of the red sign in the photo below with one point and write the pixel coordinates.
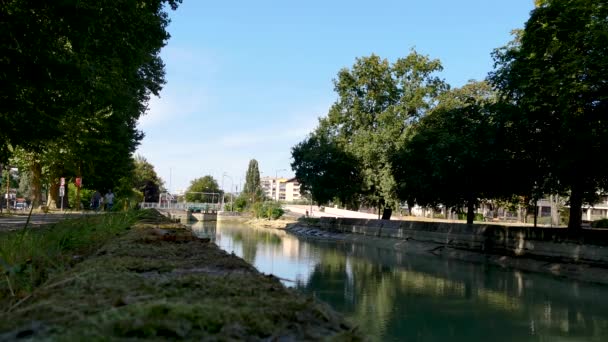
(78, 182)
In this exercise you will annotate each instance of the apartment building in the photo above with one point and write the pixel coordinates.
(281, 189)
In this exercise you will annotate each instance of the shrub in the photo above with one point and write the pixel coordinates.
(270, 210)
(603, 223)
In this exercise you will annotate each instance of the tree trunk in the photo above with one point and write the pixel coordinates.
(554, 210)
(1, 196)
(53, 196)
(576, 212)
(36, 183)
(535, 213)
(470, 210)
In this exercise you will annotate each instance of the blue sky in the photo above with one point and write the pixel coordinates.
(249, 79)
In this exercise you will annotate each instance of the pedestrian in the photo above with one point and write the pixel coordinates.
(109, 200)
(95, 200)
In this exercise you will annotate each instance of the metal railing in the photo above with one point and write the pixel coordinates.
(181, 206)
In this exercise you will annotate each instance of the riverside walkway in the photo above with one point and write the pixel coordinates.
(17, 221)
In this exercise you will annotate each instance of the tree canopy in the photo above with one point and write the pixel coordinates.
(78, 75)
(555, 74)
(377, 103)
(200, 190)
(252, 190)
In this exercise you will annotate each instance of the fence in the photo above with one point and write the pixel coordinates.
(181, 206)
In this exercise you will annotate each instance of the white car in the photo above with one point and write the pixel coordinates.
(20, 206)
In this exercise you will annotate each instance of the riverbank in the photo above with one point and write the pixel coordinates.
(445, 241)
(281, 223)
(154, 279)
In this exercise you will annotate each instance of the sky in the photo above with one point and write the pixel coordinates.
(249, 79)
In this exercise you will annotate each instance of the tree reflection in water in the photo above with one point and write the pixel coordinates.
(395, 296)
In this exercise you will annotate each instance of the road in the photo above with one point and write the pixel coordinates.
(18, 221)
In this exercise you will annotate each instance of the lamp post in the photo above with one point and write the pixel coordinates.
(276, 176)
(231, 187)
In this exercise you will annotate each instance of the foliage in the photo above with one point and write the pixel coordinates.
(252, 188)
(377, 103)
(85, 197)
(28, 257)
(268, 210)
(325, 170)
(454, 153)
(240, 203)
(603, 223)
(143, 173)
(555, 74)
(80, 74)
(206, 184)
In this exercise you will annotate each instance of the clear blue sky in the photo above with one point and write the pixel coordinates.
(249, 79)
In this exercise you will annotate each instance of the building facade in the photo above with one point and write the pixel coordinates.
(281, 189)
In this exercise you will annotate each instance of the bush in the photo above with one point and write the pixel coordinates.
(603, 223)
(240, 203)
(463, 216)
(269, 210)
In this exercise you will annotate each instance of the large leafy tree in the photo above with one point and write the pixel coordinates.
(326, 171)
(455, 157)
(204, 189)
(78, 76)
(144, 173)
(555, 73)
(377, 103)
(69, 60)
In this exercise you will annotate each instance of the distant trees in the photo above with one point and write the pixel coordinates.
(201, 189)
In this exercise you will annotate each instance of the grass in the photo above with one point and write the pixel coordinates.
(29, 256)
(149, 280)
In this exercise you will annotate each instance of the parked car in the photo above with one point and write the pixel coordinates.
(20, 206)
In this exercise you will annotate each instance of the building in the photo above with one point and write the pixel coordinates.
(281, 189)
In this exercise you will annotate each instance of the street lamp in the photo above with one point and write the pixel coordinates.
(231, 187)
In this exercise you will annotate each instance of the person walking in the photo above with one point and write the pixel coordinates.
(109, 200)
(95, 200)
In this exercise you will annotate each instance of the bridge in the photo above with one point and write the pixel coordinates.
(185, 211)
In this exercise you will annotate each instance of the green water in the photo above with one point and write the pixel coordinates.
(394, 296)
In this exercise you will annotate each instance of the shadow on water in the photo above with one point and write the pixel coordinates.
(394, 296)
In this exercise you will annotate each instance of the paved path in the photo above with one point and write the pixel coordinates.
(328, 212)
(18, 221)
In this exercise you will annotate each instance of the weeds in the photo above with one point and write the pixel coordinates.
(29, 256)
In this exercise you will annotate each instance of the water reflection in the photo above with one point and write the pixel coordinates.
(394, 296)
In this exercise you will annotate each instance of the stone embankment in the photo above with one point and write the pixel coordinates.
(158, 281)
(557, 251)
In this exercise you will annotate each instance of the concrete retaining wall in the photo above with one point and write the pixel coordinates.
(590, 246)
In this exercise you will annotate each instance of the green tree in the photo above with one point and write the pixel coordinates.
(454, 155)
(64, 61)
(201, 189)
(252, 188)
(555, 74)
(144, 172)
(377, 103)
(326, 171)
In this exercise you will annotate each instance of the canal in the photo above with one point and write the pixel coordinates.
(392, 296)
